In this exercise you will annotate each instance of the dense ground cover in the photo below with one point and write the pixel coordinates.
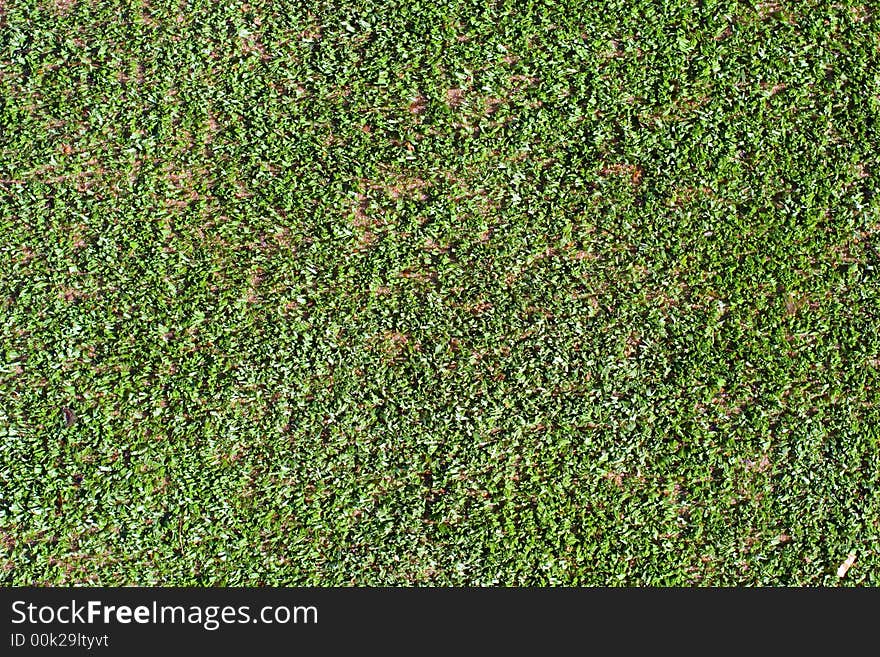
(439, 292)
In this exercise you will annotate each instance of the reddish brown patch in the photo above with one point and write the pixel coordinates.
(419, 276)
(761, 465)
(366, 241)
(63, 6)
(361, 218)
(418, 105)
(634, 171)
(394, 344)
(256, 278)
(397, 339)
(684, 195)
(242, 192)
(632, 344)
(860, 14)
(480, 308)
(455, 97)
(77, 236)
(434, 246)
(313, 30)
(793, 304)
(614, 51)
(492, 105)
(725, 34)
(394, 186)
(7, 540)
(69, 416)
(772, 90)
(768, 9)
(636, 176)
(520, 80)
(71, 294)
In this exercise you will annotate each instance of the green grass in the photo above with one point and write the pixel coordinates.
(439, 293)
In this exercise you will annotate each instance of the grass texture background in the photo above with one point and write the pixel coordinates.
(435, 293)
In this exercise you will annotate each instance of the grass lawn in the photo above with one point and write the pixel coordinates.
(435, 293)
